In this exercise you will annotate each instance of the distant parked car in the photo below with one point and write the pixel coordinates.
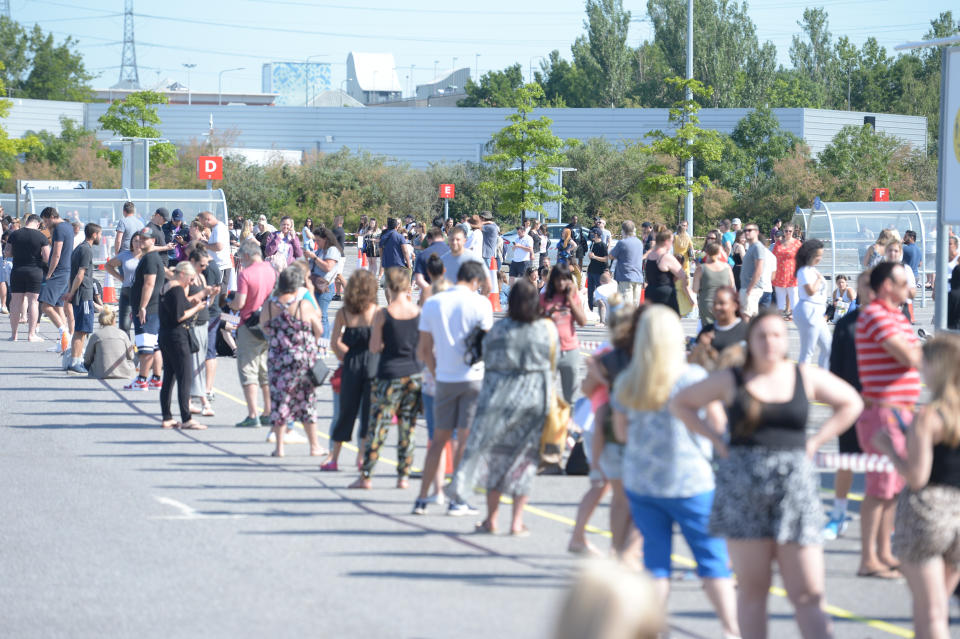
(553, 230)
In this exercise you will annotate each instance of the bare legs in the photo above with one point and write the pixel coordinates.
(876, 527)
(931, 583)
(250, 396)
(435, 453)
(493, 507)
(802, 571)
(591, 499)
(626, 539)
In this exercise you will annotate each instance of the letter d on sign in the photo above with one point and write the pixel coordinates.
(209, 167)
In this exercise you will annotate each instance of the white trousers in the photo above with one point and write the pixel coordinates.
(783, 294)
(813, 330)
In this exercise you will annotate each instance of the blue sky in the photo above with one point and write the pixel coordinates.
(221, 34)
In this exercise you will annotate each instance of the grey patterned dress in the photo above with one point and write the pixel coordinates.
(503, 449)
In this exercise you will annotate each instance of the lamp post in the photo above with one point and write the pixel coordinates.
(306, 77)
(220, 83)
(560, 171)
(454, 66)
(189, 66)
(688, 170)
(436, 63)
(476, 65)
(536, 57)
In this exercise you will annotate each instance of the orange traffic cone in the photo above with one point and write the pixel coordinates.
(109, 290)
(363, 257)
(494, 286)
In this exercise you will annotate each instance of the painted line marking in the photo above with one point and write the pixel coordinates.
(186, 512)
(836, 611)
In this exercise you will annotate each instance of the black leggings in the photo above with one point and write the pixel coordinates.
(177, 365)
(354, 398)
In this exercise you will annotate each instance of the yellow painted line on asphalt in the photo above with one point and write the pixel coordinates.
(841, 613)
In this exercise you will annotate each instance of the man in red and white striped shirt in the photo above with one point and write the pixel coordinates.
(888, 356)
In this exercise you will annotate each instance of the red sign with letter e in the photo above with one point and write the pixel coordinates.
(446, 191)
(209, 167)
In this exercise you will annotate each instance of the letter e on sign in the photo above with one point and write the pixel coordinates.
(209, 167)
(446, 191)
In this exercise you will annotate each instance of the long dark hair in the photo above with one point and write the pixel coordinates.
(806, 253)
(557, 273)
(328, 235)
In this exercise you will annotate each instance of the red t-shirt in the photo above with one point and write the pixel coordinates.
(885, 379)
(557, 310)
(256, 282)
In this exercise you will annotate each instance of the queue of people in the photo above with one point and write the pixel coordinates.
(713, 438)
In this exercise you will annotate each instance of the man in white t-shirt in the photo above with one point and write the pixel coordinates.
(448, 318)
(522, 255)
(474, 242)
(219, 246)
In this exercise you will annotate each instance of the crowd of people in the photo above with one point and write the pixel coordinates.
(708, 431)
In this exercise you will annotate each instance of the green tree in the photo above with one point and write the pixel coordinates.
(762, 139)
(859, 158)
(565, 83)
(605, 176)
(136, 117)
(496, 89)
(10, 148)
(688, 141)
(812, 53)
(727, 53)
(57, 149)
(37, 67)
(603, 51)
(523, 153)
(792, 90)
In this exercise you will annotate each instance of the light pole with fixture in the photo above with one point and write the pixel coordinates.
(220, 83)
(189, 66)
(476, 64)
(342, 84)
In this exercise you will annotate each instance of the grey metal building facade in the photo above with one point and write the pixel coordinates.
(437, 134)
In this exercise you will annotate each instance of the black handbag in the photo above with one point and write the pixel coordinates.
(193, 341)
(318, 373)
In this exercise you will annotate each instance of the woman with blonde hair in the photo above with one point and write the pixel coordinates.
(767, 501)
(876, 251)
(109, 353)
(610, 601)
(927, 521)
(667, 474)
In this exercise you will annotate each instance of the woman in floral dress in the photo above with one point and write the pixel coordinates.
(785, 279)
(292, 326)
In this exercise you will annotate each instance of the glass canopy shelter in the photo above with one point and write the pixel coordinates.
(105, 206)
(847, 229)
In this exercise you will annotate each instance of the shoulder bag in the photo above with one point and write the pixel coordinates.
(553, 438)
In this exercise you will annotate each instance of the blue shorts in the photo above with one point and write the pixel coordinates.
(654, 517)
(83, 313)
(145, 335)
(54, 288)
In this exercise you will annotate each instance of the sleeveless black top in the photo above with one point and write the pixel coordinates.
(945, 470)
(399, 355)
(656, 278)
(779, 426)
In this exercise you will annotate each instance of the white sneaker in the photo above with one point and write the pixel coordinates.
(290, 437)
(436, 498)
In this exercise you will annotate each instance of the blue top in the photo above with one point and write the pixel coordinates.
(62, 232)
(912, 258)
(391, 249)
(729, 238)
(662, 458)
(628, 253)
(420, 264)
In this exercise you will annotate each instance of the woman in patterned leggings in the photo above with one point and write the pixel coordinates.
(396, 390)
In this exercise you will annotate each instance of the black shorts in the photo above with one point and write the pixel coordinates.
(519, 269)
(848, 441)
(26, 279)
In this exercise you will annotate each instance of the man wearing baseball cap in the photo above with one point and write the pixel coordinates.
(177, 233)
(160, 217)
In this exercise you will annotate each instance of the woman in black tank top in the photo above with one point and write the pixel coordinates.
(661, 271)
(767, 501)
(396, 390)
(927, 524)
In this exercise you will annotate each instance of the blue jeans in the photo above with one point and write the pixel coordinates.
(323, 301)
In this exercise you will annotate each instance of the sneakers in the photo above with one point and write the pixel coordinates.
(835, 528)
(265, 420)
(249, 422)
(420, 507)
(336, 298)
(77, 369)
(461, 508)
(290, 437)
(155, 383)
(138, 384)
